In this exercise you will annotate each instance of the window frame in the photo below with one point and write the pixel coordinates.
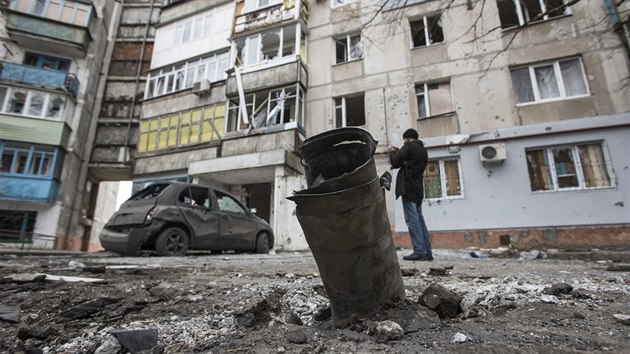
(48, 157)
(550, 167)
(343, 107)
(47, 103)
(559, 80)
(443, 180)
(521, 14)
(427, 31)
(347, 39)
(427, 101)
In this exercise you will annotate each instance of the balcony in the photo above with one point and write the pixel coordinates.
(28, 188)
(247, 21)
(280, 72)
(35, 76)
(61, 37)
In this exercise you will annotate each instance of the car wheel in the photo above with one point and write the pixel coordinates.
(262, 244)
(172, 242)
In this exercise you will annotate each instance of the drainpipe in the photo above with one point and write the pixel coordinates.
(137, 83)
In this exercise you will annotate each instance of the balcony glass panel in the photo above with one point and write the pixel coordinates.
(28, 188)
(44, 28)
(41, 77)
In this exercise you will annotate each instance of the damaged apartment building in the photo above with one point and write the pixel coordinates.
(50, 60)
(522, 105)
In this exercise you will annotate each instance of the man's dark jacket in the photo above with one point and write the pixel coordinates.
(412, 160)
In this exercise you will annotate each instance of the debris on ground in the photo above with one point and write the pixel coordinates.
(618, 268)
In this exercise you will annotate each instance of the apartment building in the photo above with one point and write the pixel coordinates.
(522, 105)
(50, 57)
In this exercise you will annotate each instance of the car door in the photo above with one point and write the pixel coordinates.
(195, 204)
(237, 230)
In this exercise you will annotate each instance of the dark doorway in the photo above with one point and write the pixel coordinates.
(259, 197)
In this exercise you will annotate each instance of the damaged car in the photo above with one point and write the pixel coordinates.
(172, 218)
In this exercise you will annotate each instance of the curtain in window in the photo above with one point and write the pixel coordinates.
(451, 170)
(356, 48)
(573, 78)
(594, 166)
(546, 81)
(522, 85)
(420, 97)
(565, 168)
(440, 98)
(538, 169)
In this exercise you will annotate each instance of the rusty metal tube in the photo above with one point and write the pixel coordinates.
(344, 218)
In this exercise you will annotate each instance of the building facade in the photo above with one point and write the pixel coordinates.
(51, 54)
(522, 105)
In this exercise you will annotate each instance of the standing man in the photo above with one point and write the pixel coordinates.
(411, 159)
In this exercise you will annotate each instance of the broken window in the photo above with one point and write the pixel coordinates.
(426, 31)
(201, 124)
(265, 46)
(521, 12)
(32, 103)
(267, 108)
(348, 48)
(581, 166)
(442, 179)
(27, 159)
(349, 110)
(434, 99)
(183, 76)
(195, 196)
(17, 221)
(549, 81)
(229, 204)
(47, 62)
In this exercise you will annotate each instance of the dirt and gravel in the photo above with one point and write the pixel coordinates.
(230, 303)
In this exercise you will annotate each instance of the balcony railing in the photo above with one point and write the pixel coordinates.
(28, 188)
(31, 75)
(43, 27)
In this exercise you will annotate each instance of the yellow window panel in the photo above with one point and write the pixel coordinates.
(184, 135)
(186, 118)
(172, 137)
(163, 139)
(174, 120)
(152, 141)
(206, 132)
(153, 125)
(196, 115)
(208, 112)
(144, 126)
(219, 123)
(142, 145)
(194, 133)
(219, 111)
(164, 123)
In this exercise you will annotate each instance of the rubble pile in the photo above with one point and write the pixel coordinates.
(246, 304)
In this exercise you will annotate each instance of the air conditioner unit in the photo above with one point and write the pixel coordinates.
(201, 88)
(492, 153)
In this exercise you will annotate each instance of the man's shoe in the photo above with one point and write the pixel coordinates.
(430, 257)
(418, 257)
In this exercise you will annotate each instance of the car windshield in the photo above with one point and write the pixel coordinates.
(151, 192)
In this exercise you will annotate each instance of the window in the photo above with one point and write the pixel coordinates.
(549, 81)
(266, 46)
(433, 99)
(348, 48)
(442, 179)
(195, 196)
(17, 222)
(27, 159)
(32, 103)
(202, 124)
(254, 5)
(182, 76)
(349, 111)
(47, 62)
(581, 166)
(521, 12)
(72, 12)
(268, 108)
(426, 31)
(229, 204)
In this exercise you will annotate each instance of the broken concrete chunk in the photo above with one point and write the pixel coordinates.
(557, 289)
(297, 336)
(621, 318)
(25, 278)
(385, 331)
(444, 302)
(618, 268)
(108, 345)
(10, 313)
(136, 340)
(440, 272)
(459, 337)
(549, 299)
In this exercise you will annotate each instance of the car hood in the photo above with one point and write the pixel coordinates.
(132, 212)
